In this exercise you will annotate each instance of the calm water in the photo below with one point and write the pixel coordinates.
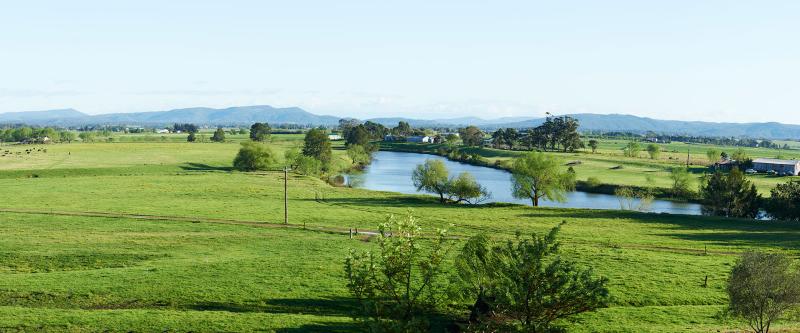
(391, 171)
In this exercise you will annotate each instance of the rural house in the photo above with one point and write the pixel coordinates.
(783, 167)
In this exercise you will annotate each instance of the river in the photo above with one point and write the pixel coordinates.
(391, 171)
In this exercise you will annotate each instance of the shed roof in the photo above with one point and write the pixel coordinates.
(775, 161)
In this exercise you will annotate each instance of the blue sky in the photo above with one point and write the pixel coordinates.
(691, 60)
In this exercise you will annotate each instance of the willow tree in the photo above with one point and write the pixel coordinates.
(432, 176)
(536, 175)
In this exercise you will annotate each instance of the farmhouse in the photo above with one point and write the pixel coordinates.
(334, 137)
(419, 139)
(791, 167)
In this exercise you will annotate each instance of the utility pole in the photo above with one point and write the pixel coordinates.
(687, 157)
(285, 196)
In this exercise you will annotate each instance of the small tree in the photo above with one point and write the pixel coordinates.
(525, 284)
(713, 155)
(593, 144)
(86, 136)
(681, 179)
(654, 151)
(536, 175)
(191, 137)
(260, 132)
(632, 149)
(431, 176)
(254, 156)
(67, 136)
(730, 195)
(761, 288)
(290, 157)
(784, 201)
(358, 154)
(399, 287)
(219, 135)
(465, 188)
(634, 199)
(308, 165)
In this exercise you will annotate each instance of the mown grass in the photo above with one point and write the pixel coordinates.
(93, 273)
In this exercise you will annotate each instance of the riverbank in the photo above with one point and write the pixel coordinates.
(500, 159)
(391, 171)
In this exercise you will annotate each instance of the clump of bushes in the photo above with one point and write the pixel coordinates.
(519, 285)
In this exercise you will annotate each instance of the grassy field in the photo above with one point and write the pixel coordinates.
(610, 166)
(145, 236)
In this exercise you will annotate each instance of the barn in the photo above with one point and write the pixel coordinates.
(782, 167)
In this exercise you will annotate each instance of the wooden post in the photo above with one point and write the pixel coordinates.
(285, 196)
(687, 158)
(351, 233)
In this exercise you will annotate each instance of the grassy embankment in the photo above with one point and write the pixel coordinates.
(163, 236)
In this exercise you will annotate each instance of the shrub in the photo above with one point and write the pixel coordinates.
(593, 182)
(308, 165)
(399, 287)
(254, 156)
(524, 285)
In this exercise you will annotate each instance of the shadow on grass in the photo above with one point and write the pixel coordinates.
(204, 167)
(407, 201)
(331, 306)
(322, 327)
(706, 229)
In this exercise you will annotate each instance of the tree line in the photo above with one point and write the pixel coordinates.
(36, 134)
(668, 138)
(555, 134)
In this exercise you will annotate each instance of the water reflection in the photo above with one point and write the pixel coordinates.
(391, 171)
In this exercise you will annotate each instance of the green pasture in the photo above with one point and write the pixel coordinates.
(163, 236)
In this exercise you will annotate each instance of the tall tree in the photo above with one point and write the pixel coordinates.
(317, 145)
(471, 136)
(402, 129)
(730, 195)
(357, 135)
(260, 132)
(536, 175)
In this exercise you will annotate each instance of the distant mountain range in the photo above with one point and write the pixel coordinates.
(245, 115)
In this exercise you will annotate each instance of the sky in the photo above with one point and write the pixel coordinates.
(733, 61)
